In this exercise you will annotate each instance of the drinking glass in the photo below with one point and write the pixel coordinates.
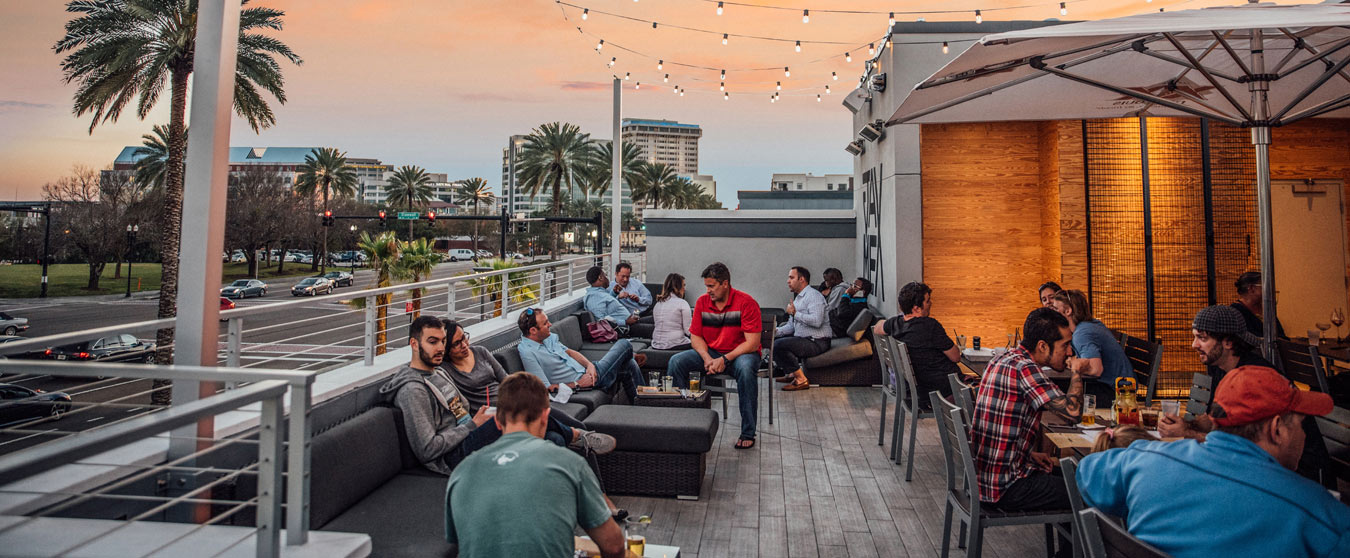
(1323, 326)
(655, 381)
(1171, 407)
(1338, 319)
(961, 341)
(695, 382)
(1089, 410)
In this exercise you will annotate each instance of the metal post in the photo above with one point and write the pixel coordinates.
(505, 225)
(450, 300)
(1261, 139)
(571, 272)
(616, 183)
(369, 345)
(297, 466)
(234, 337)
(269, 479)
(205, 177)
(46, 248)
(131, 239)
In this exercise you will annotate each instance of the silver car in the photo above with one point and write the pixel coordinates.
(9, 325)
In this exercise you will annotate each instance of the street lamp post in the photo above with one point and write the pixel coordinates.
(131, 242)
(353, 258)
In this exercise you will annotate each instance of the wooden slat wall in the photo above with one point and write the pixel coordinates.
(982, 224)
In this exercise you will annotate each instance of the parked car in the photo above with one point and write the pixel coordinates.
(484, 253)
(28, 354)
(9, 325)
(118, 347)
(226, 304)
(241, 288)
(461, 254)
(340, 278)
(516, 256)
(311, 286)
(238, 257)
(18, 403)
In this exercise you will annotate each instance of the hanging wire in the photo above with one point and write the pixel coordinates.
(890, 12)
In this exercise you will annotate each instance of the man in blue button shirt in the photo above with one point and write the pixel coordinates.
(632, 294)
(545, 356)
(1235, 494)
(603, 305)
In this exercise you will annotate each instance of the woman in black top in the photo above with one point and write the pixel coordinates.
(931, 352)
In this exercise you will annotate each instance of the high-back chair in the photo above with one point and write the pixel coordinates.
(890, 390)
(1145, 358)
(1302, 364)
(1105, 538)
(726, 383)
(963, 493)
(1202, 392)
(962, 395)
(909, 404)
(1335, 428)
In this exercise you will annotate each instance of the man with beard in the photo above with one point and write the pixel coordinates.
(1224, 343)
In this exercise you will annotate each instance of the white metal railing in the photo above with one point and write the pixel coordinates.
(266, 389)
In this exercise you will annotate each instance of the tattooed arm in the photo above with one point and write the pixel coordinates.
(1069, 406)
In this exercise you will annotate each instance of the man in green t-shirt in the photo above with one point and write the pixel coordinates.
(521, 495)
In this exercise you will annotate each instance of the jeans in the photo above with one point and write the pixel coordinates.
(1039, 492)
(745, 369)
(789, 352)
(618, 364)
(559, 432)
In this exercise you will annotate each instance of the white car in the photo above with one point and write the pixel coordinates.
(485, 253)
(461, 255)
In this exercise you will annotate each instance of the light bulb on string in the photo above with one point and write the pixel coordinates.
(724, 38)
(817, 97)
(780, 86)
(1063, 10)
(726, 96)
(637, 86)
(978, 18)
(626, 75)
(675, 89)
(888, 42)
(891, 21)
(666, 79)
(787, 72)
(660, 63)
(653, 25)
(722, 86)
(827, 90)
(871, 49)
(806, 16)
(612, 60)
(724, 75)
(600, 45)
(848, 57)
(681, 92)
(719, 8)
(799, 46)
(585, 13)
(834, 75)
(944, 47)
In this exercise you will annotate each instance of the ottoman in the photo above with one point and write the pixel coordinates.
(661, 451)
(701, 401)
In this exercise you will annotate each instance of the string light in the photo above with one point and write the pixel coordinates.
(724, 38)
(978, 18)
(719, 8)
(681, 92)
(871, 49)
(675, 89)
(666, 79)
(835, 76)
(827, 90)
(889, 46)
(891, 20)
(817, 97)
(944, 47)
(724, 75)
(780, 86)
(787, 72)
(585, 13)
(660, 63)
(799, 46)
(722, 86)
(653, 25)
(626, 75)
(848, 57)
(726, 96)
(806, 16)
(600, 45)
(612, 60)
(637, 85)
(1063, 9)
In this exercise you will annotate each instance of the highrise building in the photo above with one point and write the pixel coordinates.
(371, 179)
(516, 200)
(665, 141)
(808, 182)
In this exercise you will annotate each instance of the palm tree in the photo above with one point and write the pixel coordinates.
(686, 194)
(519, 287)
(152, 158)
(554, 155)
(656, 185)
(415, 261)
(410, 186)
(325, 171)
(119, 50)
(383, 253)
(601, 170)
(473, 191)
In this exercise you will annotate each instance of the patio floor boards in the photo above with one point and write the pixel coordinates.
(816, 484)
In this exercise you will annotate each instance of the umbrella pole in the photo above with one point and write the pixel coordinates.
(1261, 139)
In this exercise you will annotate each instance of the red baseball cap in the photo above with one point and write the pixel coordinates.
(1253, 393)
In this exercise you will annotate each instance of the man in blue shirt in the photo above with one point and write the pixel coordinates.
(547, 358)
(1235, 494)
(806, 333)
(632, 294)
(603, 305)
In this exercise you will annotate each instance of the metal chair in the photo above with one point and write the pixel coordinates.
(726, 383)
(1118, 335)
(1105, 538)
(1335, 428)
(1069, 466)
(890, 391)
(1302, 364)
(1202, 393)
(908, 404)
(963, 493)
(1145, 358)
(962, 395)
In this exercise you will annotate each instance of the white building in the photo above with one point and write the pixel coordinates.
(665, 141)
(811, 183)
(372, 179)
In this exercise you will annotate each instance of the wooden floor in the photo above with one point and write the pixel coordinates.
(817, 484)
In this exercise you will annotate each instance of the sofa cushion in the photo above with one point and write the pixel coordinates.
(841, 353)
(602, 348)
(404, 517)
(658, 359)
(509, 357)
(569, 332)
(858, 327)
(574, 410)
(591, 399)
(656, 429)
(351, 460)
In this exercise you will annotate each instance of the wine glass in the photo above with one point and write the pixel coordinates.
(1338, 319)
(1324, 327)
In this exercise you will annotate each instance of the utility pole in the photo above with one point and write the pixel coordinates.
(615, 185)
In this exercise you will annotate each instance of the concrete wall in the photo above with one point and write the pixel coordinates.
(758, 199)
(758, 247)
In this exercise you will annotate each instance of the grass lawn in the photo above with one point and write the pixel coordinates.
(24, 281)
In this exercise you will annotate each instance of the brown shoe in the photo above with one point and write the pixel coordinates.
(797, 386)
(784, 379)
(640, 358)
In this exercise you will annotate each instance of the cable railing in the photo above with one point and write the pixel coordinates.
(283, 444)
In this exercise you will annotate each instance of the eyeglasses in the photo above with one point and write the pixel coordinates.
(462, 341)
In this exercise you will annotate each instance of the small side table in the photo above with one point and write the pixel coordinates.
(699, 400)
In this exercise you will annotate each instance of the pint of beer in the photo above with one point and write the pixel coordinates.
(1089, 419)
(695, 384)
(637, 544)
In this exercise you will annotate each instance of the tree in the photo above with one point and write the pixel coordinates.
(656, 185)
(383, 252)
(256, 214)
(325, 173)
(410, 186)
(554, 155)
(92, 214)
(119, 50)
(471, 192)
(600, 172)
(152, 158)
(415, 261)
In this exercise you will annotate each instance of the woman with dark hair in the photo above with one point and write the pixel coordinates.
(1098, 356)
(672, 316)
(1048, 290)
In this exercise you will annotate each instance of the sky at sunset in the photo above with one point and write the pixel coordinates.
(442, 84)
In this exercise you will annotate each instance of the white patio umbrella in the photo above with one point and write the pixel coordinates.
(1257, 66)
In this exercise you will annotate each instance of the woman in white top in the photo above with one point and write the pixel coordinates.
(672, 316)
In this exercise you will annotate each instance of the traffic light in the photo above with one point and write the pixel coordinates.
(382, 221)
(328, 218)
(431, 215)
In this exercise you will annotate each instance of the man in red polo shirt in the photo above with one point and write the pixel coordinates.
(725, 334)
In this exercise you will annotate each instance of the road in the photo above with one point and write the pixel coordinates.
(309, 336)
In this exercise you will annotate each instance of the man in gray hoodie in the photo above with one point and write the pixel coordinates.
(436, 415)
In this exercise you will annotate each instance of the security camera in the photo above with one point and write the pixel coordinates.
(855, 148)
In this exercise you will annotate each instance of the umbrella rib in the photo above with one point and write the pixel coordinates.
(965, 98)
(1334, 104)
(1137, 95)
(1302, 44)
(1232, 53)
(1319, 56)
(1208, 75)
(1322, 79)
(1208, 51)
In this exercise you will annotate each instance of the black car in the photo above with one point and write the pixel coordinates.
(244, 287)
(18, 403)
(12, 338)
(339, 278)
(122, 347)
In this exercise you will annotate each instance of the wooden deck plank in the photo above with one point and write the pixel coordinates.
(801, 532)
(773, 537)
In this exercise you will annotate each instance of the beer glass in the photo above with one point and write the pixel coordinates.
(1089, 410)
(695, 381)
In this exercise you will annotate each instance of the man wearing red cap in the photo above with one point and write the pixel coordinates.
(1235, 494)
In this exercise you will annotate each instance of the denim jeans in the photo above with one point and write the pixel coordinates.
(745, 369)
(618, 364)
(559, 432)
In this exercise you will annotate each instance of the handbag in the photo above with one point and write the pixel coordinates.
(602, 331)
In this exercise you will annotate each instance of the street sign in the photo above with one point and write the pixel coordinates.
(409, 216)
(408, 307)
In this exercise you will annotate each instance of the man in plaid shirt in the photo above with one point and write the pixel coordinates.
(1013, 392)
